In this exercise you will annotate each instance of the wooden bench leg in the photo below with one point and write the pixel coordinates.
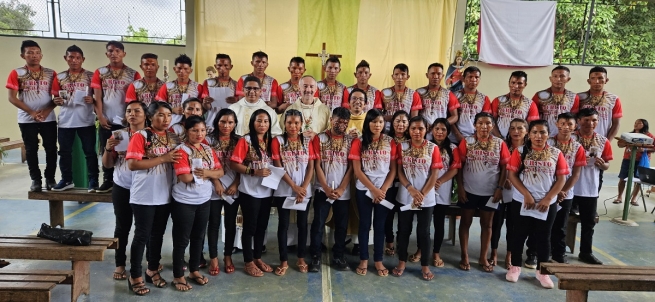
(81, 279)
(28, 295)
(452, 222)
(23, 154)
(571, 231)
(576, 295)
(56, 213)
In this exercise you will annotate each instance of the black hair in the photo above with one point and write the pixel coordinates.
(259, 54)
(28, 43)
(297, 60)
(392, 130)
(116, 44)
(252, 79)
(74, 48)
(234, 138)
(402, 67)
(445, 144)
(154, 106)
(598, 69)
(528, 144)
(367, 135)
(587, 112)
(183, 59)
(189, 101)
(223, 57)
(471, 69)
(435, 65)
(481, 115)
(418, 119)
(519, 74)
(566, 116)
(254, 141)
(341, 113)
(350, 96)
(143, 107)
(192, 121)
(561, 67)
(333, 59)
(363, 63)
(288, 113)
(644, 129)
(508, 138)
(149, 55)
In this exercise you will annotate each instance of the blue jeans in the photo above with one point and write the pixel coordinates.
(87, 136)
(378, 214)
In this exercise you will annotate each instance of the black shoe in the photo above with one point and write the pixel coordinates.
(106, 186)
(560, 259)
(323, 248)
(264, 249)
(531, 262)
(315, 266)
(575, 211)
(36, 186)
(50, 183)
(355, 250)
(589, 259)
(341, 264)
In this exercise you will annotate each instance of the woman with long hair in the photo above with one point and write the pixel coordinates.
(150, 155)
(223, 141)
(195, 171)
(399, 132)
(291, 152)
(419, 162)
(479, 185)
(374, 162)
(538, 174)
(135, 115)
(641, 126)
(251, 158)
(191, 107)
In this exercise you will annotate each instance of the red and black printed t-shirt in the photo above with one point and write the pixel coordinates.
(332, 152)
(540, 170)
(330, 95)
(143, 92)
(470, 104)
(34, 88)
(418, 162)
(269, 87)
(481, 163)
(71, 114)
(375, 160)
(114, 84)
(551, 104)
(174, 94)
(504, 111)
(295, 156)
(436, 104)
(573, 153)
(194, 193)
(245, 154)
(608, 106)
(288, 93)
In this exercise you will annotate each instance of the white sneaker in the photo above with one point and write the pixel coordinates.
(513, 274)
(545, 280)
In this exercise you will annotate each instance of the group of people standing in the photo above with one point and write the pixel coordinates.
(357, 152)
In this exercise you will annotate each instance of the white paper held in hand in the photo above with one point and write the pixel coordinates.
(290, 204)
(492, 204)
(220, 94)
(228, 198)
(273, 181)
(196, 163)
(122, 142)
(409, 207)
(78, 97)
(384, 202)
(534, 213)
(330, 200)
(117, 120)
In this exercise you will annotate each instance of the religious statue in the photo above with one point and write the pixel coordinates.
(455, 72)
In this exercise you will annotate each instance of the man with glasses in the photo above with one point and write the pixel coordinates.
(250, 103)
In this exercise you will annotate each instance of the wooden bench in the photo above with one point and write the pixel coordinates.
(10, 145)
(56, 200)
(32, 247)
(578, 280)
(31, 285)
(452, 212)
(4, 139)
(571, 231)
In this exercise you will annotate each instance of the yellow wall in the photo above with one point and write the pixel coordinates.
(632, 85)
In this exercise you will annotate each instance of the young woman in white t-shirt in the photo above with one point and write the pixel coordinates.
(251, 159)
(135, 114)
(374, 162)
(399, 132)
(538, 174)
(296, 156)
(195, 171)
(223, 140)
(150, 155)
(480, 182)
(419, 162)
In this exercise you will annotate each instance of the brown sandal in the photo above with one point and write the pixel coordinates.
(252, 270)
(414, 258)
(438, 262)
(263, 266)
(361, 271)
(383, 272)
(159, 282)
(390, 251)
(120, 275)
(281, 270)
(303, 268)
(138, 288)
(185, 284)
(200, 280)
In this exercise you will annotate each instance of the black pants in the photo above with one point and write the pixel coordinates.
(388, 223)
(283, 227)
(123, 211)
(103, 136)
(405, 225)
(377, 214)
(256, 212)
(525, 226)
(149, 228)
(439, 219)
(587, 221)
(558, 234)
(189, 227)
(30, 134)
(87, 137)
(214, 225)
(340, 217)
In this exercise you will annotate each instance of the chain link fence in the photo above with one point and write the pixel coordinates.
(144, 21)
(590, 32)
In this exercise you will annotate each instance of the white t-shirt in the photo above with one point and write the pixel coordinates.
(418, 162)
(122, 174)
(245, 154)
(481, 164)
(375, 160)
(73, 115)
(295, 156)
(151, 187)
(114, 86)
(332, 152)
(197, 192)
(574, 154)
(541, 167)
(224, 153)
(34, 92)
(469, 106)
(595, 146)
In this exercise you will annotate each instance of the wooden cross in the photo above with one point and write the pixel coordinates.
(324, 56)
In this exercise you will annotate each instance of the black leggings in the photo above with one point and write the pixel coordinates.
(214, 225)
(503, 213)
(405, 224)
(558, 234)
(120, 197)
(149, 227)
(189, 226)
(525, 226)
(283, 227)
(388, 223)
(439, 218)
(256, 212)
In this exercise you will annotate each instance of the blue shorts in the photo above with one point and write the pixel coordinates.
(625, 166)
(476, 202)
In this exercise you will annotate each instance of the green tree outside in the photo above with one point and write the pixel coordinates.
(15, 18)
